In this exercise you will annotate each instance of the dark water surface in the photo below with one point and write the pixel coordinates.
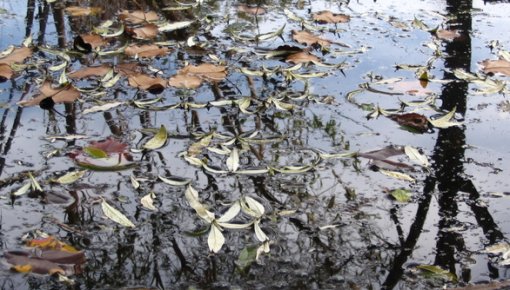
(332, 225)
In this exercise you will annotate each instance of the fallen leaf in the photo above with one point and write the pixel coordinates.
(6, 72)
(412, 120)
(148, 201)
(147, 50)
(215, 239)
(158, 140)
(302, 57)
(24, 263)
(148, 31)
(63, 94)
(126, 69)
(191, 76)
(185, 81)
(109, 145)
(115, 215)
(70, 177)
(90, 71)
(494, 66)
(308, 38)
(447, 34)
(88, 42)
(138, 16)
(329, 17)
(254, 10)
(18, 55)
(146, 82)
(401, 195)
(82, 11)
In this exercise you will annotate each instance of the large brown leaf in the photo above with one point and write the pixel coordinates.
(192, 76)
(496, 66)
(146, 82)
(90, 71)
(308, 38)
(329, 17)
(65, 94)
(302, 57)
(138, 16)
(148, 31)
(147, 50)
(94, 40)
(82, 11)
(18, 55)
(185, 81)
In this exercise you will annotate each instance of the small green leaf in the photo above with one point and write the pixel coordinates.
(401, 195)
(158, 140)
(95, 152)
(115, 215)
(70, 177)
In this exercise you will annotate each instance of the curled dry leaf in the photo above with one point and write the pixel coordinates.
(148, 31)
(91, 71)
(82, 11)
(147, 50)
(308, 38)
(302, 57)
(330, 17)
(495, 66)
(138, 16)
(64, 94)
(254, 10)
(411, 120)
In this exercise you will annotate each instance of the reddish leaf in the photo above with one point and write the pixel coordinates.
(185, 81)
(379, 158)
(109, 145)
(447, 34)
(127, 69)
(412, 120)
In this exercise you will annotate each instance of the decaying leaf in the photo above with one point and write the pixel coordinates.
(501, 66)
(105, 155)
(138, 16)
(62, 94)
(415, 155)
(145, 82)
(434, 271)
(158, 140)
(192, 76)
(302, 57)
(254, 10)
(445, 121)
(412, 120)
(397, 175)
(329, 17)
(148, 31)
(233, 160)
(90, 71)
(192, 197)
(308, 38)
(447, 34)
(82, 11)
(16, 55)
(115, 215)
(110, 145)
(146, 50)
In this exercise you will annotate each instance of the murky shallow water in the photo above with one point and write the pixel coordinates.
(333, 240)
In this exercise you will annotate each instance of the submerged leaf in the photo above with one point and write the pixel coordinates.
(254, 10)
(82, 11)
(115, 215)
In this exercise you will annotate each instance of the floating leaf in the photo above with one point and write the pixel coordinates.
(70, 177)
(501, 66)
(330, 17)
(61, 94)
(434, 271)
(174, 182)
(252, 207)
(261, 236)
(401, 195)
(308, 38)
(447, 34)
(134, 182)
(147, 50)
(109, 145)
(15, 55)
(253, 10)
(215, 239)
(115, 215)
(415, 155)
(138, 16)
(158, 140)
(82, 11)
(192, 197)
(148, 31)
(444, 121)
(231, 213)
(397, 175)
(102, 108)
(233, 160)
(146, 82)
(412, 120)
(191, 77)
(148, 201)
(23, 189)
(302, 57)
(174, 26)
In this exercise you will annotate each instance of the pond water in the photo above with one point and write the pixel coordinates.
(274, 175)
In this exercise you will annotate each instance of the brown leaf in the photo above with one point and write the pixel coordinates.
(185, 81)
(254, 10)
(412, 120)
(329, 17)
(90, 71)
(147, 50)
(191, 77)
(138, 16)
(22, 262)
(129, 68)
(302, 57)
(447, 34)
(146, 82)
(18, 55)
(94, 40)
(148, 31)
(83, 11)
(6, 72)
(65, 94)
(309, 38)
(109, 145)
(496, 66)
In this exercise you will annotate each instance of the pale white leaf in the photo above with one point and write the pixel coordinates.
(22, 190)
(174, 182)
(194, 161)
(215, 239)
(35, 184)
(253, 206)
(397, 175)
(264, 248)
(102, 108)
(148, 201)
(233, 160)
(253, 171)
(235, 226)
(134, 182)
(261, 236)
(415, 155)
(158, 140)
(174, 26)
(70, 177)
(231, 213)
(192, 196)
(115, 215)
